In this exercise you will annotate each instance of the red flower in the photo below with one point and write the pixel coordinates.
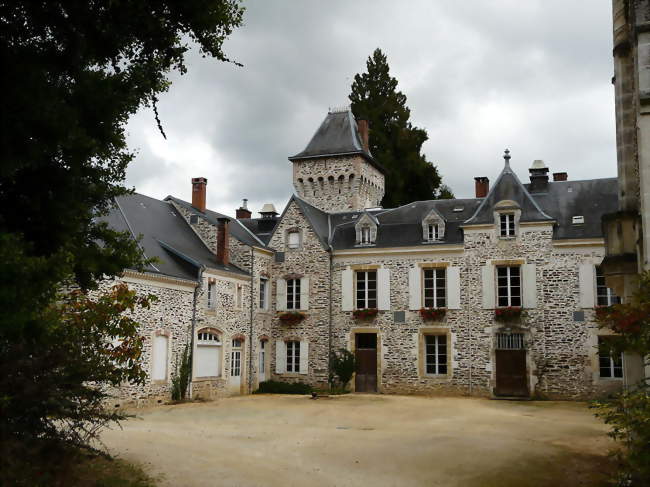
(433, 314)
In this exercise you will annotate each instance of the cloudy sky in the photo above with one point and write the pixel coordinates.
(480, 76)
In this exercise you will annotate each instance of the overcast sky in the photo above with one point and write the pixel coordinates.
(479, 75)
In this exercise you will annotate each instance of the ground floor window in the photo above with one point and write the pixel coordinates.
(293, 356)
(610, 365)
(436, 354)
(208, 354)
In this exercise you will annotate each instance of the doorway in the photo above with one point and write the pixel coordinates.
(236, 365)
(510, 357)
(365, 352)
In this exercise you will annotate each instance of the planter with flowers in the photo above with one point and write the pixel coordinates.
(366, 314)
(433, 314)
(291, 317)
(509, 314)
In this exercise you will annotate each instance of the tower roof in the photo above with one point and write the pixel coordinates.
(338, 135)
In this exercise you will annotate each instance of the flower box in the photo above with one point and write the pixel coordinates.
(511, 313)
(433, 314)
(291, 317)
(365, 314)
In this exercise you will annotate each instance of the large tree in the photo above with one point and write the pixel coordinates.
(73, 73)
(394, 141)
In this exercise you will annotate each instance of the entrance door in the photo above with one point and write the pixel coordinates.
(366, 358)
(510, 354)
(235, 366)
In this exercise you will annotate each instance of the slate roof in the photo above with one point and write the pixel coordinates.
(338, 135)
(262, 228)
(165, 235)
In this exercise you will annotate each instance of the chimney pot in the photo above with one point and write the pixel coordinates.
(364, 133)
(223, 254)
(560, 176)
(243, 211)
(481, 186)
(199, 193)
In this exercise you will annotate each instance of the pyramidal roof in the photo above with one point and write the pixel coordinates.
(508, 187)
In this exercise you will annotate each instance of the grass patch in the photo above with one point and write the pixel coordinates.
(99, 471)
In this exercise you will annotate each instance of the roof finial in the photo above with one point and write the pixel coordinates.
(506, 157)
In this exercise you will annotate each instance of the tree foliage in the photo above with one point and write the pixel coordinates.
(628, 412)
(342, 367)
(181, 378)
(394, 142)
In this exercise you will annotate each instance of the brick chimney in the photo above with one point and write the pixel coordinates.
(481, 186)
(243, 211)
(538, 177)
(222, 241)
(560, 176)
(364, 133)
(198, 193)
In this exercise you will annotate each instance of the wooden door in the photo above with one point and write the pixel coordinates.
(366, 358)
(511, 373)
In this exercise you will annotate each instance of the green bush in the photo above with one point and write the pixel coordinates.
(278, 387)
(182, 377)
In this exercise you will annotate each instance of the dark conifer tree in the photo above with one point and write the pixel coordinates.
(394, 141)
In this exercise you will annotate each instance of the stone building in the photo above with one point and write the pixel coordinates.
(493, 295)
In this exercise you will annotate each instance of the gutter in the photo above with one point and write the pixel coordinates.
(197, 290)
(329, 330)
(250, 340)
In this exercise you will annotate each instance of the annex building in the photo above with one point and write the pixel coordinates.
(494, 295)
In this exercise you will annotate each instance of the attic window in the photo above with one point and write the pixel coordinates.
(194, 219)
(365, 235)
(433, 232)
(578, 220)
(458, 209)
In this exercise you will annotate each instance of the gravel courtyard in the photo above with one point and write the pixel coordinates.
(366, 440)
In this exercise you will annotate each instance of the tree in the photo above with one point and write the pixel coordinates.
(394, 142)
(73, 73)
(342, 367)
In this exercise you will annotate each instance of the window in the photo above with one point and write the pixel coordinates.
(433, 232)
(510, 341)
(611, 367)
(508, 286)
(434, 288)
(238, 302)
(235, 365)
(507, 224)
(262, 364)
(211, 295)
(366, 289)
(208, 354)
(604, 295)
(436, 354)
(365, 235)
(160, 350)
(293, 356)
(293, 293)
(264, 282)
(293, 239)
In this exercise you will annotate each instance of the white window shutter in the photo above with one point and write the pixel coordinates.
(587, 279)
(487, 282)
(304, 293)
(159, 365)
(304, 357)
(415, 288)
(453, 287)
(281, 295)
(383, 289)
(529, 286)
(347, 290)
(280, 357)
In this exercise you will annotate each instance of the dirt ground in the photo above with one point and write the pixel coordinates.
(374, 440)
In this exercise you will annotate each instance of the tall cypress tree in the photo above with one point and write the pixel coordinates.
(394, 142)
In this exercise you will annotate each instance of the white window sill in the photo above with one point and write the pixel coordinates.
(509, 237)
(365, 245)
(610, 379)
(206, 379)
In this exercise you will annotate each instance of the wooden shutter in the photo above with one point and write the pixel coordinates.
(529, 286)
(304, 357)
(281, 295)
(383, 288)
(347, 290)
(587, 279)
(280, 357)
(487, 282)
(453, 287)
(415, 288)
(304, 293)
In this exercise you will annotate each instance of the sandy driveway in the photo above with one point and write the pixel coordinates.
(369, 440)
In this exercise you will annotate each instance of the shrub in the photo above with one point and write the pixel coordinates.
(181, 378)
(279, 387)
(291, 317)
(342, 365)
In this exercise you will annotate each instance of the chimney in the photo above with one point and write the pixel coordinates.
(198, 193)
(560, 176)
(222, 241)
(482, 186)
(364, 132)
(269, 218)
(538, 177)
(243, 211)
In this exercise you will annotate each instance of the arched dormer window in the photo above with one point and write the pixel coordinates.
(366, 230)
(433, 227)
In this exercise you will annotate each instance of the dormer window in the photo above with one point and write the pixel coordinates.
(433, 227)
(433, 232)
(365, 235)
(507, 221)
(366, 229)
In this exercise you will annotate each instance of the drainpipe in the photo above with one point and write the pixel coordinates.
(470, 360)
(250, 347)
(329, 331)
(197, 290)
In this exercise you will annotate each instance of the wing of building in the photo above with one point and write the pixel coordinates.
(494, 295)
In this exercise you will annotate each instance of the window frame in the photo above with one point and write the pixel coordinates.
(435, 282)
(211, 295)
(605, 296)
(510, 226)
(294, 288)
(294, 245)
(216, 344)
(440, 341)
(611, 364)
(263, 296)
(433, 232)
(292, 356)
(236, 350)
(509, 287)
(366, 238)
(366, 299)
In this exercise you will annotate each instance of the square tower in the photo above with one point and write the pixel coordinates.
(336, 171)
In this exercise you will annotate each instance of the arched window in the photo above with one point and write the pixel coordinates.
(208, 353)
